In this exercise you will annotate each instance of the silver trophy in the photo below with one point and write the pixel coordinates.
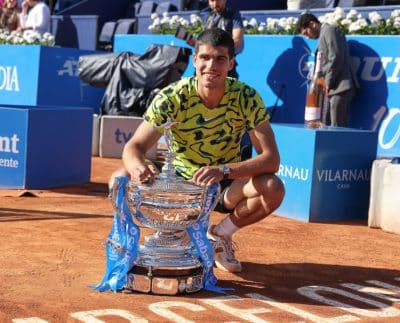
(168, 262)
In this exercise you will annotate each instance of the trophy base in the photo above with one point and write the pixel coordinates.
(165, 281)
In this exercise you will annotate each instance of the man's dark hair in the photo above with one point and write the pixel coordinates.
(304, 21)
(216, 37)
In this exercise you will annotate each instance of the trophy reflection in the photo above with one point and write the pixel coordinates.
(172, 215)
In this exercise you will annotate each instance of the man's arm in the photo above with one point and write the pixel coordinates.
(335, 47)
(133, 155)
(237, 35)
(266, 162)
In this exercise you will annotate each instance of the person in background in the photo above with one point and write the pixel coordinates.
(341, 82)
(217, 15)
(9, 15)
(35, 15)
(213, 112)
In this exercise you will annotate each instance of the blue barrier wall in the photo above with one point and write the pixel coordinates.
(44, 147)
(40, 75)
(277, 67)
(326, 172)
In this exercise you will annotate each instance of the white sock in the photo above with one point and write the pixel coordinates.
(225, 228)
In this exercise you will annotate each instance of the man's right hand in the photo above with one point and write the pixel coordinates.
(143, 173)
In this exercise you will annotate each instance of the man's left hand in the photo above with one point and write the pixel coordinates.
(207, 175)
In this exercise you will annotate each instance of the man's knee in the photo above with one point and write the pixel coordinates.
(271, 188)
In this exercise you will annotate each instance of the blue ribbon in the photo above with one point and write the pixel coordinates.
(122, 243)
(197, 233)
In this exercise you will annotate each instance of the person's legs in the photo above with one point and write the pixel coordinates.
(339, 108)
(254, 199)
(251, 201)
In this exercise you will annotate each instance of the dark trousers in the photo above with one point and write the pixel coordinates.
(339, 108)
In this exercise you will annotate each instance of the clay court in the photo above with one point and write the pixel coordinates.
(51, 251)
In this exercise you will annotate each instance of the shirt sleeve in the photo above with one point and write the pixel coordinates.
(254, 109)
(160, 108)
(237, 21)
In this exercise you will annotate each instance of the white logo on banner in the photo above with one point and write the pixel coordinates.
(9, 145)
(9, 78)
(70, 68)
(343, 175)
(373, 68)
(306, 64)
(293, 172)
(383, 129)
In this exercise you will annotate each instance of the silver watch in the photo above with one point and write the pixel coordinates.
(225, 170)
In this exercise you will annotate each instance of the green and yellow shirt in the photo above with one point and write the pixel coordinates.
(206, 136)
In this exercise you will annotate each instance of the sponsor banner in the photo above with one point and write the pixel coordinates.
(38, 149)
(50, 77)
(277, 66)
(326, 172)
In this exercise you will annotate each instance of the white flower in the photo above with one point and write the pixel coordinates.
(358, 25)
(375, 17)
(395, 13)
(338, 14)
(346, 22)
(175, 19)
(272, 23)
(253, 22)
(396, 22)
(354, 27)
(194, 19)
(154, 16)
(352, 14)
(165, 20)
(157, 22)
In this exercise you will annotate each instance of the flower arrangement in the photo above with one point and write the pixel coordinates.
(27, 37)
(350, 23)
(168, 25)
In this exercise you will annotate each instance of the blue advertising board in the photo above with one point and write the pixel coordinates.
(41, 75)
(326, 172)
(277, 66)
(44, 147)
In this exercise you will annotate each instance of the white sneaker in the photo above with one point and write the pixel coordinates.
(224, 254)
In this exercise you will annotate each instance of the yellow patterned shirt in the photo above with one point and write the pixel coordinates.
(206, 136)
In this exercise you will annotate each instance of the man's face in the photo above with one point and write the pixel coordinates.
(217, 5)
(312, 31)
(31, 3)
(212, 65)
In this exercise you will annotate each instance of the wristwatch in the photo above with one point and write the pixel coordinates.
(225, 170)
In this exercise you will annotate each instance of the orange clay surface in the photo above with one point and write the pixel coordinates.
(51, 251)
